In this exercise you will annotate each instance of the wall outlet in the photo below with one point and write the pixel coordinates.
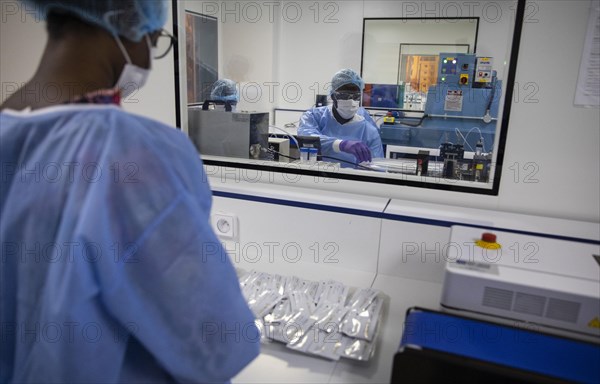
(225, 225)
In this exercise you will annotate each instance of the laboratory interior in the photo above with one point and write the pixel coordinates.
(466, 242)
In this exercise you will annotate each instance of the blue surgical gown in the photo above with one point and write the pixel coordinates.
(321, 122)
(110, 269)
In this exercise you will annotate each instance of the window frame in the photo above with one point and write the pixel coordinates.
(374, 179)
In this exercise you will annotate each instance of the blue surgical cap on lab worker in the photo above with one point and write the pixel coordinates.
(129, 18)
(345, 77)
(224, 90)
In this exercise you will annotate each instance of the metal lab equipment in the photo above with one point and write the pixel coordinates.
(453, 155)
(463, 105)
(556, 287)
(231, 134)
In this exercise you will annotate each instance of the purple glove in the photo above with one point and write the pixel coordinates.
(356, 148)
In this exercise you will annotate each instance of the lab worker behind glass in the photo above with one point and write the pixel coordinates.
(110, 270)
(225, 91)
(346, 130)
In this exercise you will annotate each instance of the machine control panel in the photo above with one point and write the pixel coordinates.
(456, 68)
(483, 70)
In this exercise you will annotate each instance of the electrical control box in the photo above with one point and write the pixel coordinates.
(461, 106)
(483, 71)
(552, 283)
(456, 68)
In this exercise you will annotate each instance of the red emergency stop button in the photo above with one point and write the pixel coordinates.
(488, 237)
(488, 241)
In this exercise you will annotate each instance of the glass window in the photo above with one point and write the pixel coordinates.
(201, 47)
(436, 77)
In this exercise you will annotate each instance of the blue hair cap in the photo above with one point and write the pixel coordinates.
(345, 77)
(224, 90)
(131, 19)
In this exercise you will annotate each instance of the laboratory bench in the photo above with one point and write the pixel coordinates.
(390, 245)
(279, 364)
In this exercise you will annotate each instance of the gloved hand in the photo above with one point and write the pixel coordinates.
(356, 148)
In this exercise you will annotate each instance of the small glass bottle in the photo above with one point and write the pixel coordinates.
(304, 152)
(312, 156)
(479, 148)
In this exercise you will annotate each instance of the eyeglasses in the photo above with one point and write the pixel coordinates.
(163, 43)
(342, 95)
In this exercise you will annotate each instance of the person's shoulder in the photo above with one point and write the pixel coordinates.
(119, 115)
(319, 111)
(165, 138)
(144, 140)
(128, 125)
(94, 117)
(367, 116)
(106, 126)
(362, 111)
(132, 130)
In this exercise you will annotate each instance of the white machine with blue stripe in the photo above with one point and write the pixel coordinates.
(549, 282)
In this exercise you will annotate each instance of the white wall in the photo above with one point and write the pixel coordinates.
(22, 41)
(547, 134)
(315, 47)
(17, 64)
(554, 144)
(381, 53)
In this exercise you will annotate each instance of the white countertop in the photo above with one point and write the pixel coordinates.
(278, 364)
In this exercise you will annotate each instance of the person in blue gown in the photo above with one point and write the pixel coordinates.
(110, 271)
(225, 91)
(347, 132)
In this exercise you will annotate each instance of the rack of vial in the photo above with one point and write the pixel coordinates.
(308, 155)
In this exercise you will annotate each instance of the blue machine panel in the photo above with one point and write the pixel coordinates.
(512, 347)
(434, 131)
(454, 67)
(454, 110)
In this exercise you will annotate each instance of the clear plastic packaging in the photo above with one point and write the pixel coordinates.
(357, 349)
(249, 278)
(327, 345)
(363, 324)
(331, 292)
(262, 303)
(301, 301)
(281, 313)
(297, 327)
(361, 299)
(315, 318)
(301, 344)
(319, 343)
(328, 317)
(262, 328)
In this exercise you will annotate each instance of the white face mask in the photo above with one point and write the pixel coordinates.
(347, 108)
(133, 77)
